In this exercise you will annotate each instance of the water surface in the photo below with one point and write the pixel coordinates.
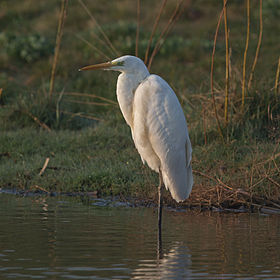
(63, 238)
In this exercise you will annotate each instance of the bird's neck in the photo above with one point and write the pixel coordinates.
(126, 86)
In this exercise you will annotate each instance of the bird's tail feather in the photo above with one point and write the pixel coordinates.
(181, 187)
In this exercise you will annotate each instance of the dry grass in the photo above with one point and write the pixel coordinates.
(227, 63)
(212, 74)
(277, 77)
(174, 17)
(62, 16)
(245, 54)
(258, 47)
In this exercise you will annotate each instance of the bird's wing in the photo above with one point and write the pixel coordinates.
(160, 134)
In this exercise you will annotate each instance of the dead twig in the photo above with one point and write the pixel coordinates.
(273, 181)
(204, 125)
(44, 166)
(91, 96)
(277, 77)
(213, 179)
(40, 123)
(88, 102)
(81, 115)
(39, 188)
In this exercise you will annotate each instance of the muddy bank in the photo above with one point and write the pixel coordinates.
(216, 199)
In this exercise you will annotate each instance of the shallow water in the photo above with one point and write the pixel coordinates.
(63, 238)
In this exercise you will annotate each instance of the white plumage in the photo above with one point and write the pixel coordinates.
(158, 125)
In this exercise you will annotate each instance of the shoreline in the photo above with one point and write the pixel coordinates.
(189, 205)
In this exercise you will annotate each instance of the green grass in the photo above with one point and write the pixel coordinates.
(101, 158)
(89, 146)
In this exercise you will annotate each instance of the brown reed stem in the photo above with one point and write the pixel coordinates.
(258, 48)
(174, 17)
(90, 96)
(88, 102)
(154, 30)
(277, 77)
(204, 125)
(227, 64)
(61, 21)
(110, 45)
(92, 46)
(138, 27)
(245, 55)
(212, 73)
(35, 119)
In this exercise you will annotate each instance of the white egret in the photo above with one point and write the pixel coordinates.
(158, 125)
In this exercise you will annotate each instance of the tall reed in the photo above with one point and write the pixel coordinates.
(258, 47)
(227, 64)
(277, 77)
(174, 17)
(62, 16)
(245, 54)
(154, 30)
(212, 72)
(138, 28)
(108, 44)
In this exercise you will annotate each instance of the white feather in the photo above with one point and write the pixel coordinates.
(159, 129)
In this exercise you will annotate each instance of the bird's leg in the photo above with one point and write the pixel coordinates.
(160, 186)
(160, 199)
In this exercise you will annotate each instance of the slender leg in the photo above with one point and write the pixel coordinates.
(160, 214)
(160, 200)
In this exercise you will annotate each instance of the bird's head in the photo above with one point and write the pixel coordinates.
(128, 64)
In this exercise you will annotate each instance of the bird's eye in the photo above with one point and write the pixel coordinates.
(118, 63)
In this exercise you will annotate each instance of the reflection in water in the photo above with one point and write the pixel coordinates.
(62, 238)
(173, 265)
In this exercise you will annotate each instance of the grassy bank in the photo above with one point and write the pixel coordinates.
(77, 141)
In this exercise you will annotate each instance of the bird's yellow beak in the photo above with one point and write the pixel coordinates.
(97, 66)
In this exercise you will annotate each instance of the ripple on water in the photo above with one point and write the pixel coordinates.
(68, 238)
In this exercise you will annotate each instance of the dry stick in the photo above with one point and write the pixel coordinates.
(213, 179)
(61, 21)
(177, 13)
(39, 188)
(112, 48)
(245, 54)
(92, 46)
(44, 166)
(81, 115)
(165, 31)
(212, 73)
(154, 30)
(138, 27)
(204, 125)
(227, 64)
(88, 103)
(258, 48)
(43, 125)
(277, 77)
(273, 182)
(91, 96)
